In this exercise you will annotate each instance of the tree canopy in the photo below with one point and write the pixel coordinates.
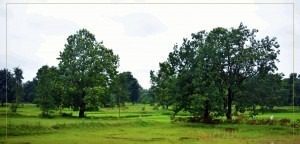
(87, 67)
(209, 69)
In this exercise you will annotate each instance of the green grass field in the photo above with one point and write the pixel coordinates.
(139, 125)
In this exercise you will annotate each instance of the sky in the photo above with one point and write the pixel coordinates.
(141, 34)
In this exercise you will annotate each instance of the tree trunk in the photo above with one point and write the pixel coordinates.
(229, 104)
(119, 106)
(225, 103)
(206, 111)
(81, 110)
(82, 104)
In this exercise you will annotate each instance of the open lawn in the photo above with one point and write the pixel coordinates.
(139, 125)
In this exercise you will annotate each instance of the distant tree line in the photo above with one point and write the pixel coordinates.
(11, 87)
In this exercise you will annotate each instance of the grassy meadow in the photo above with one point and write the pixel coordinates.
(139, 124)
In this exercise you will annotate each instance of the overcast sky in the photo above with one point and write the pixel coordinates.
(141, 34)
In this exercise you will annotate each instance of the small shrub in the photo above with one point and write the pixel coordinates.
(216, 121)
(46, 116)
(252, 122)
(167, 113)
(271, 121)
(284, 122)
(195, 119)
(92, 108)
(236, 121)
(58, 126)
(231, 129)
(63, 114)
(239, 119)
(13, 107)
(180, 119)
(262, 122)
(156, 107)
(143, 109)
(295, 125)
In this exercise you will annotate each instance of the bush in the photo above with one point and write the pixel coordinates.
(92, 108)
(58, 126)
(240, 119)
(13, 107)
(285, 122)
(296, 124)
(252, 122)
(266, 122)
(216, 121)
(180, 119)
(143, 109)
(47, 114)
(195, 119)
(63, 114)
(231, 129)
(262, 122)
(156, 107)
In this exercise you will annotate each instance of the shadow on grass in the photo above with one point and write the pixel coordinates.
(16, 115)
(102, 124)
(137, 139)
(24, 129)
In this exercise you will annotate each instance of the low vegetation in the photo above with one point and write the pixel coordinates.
(142, 124)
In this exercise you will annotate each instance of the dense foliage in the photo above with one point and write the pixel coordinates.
(88, 68)
(209, 73)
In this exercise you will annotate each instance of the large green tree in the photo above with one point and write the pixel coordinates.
(197, 89)
(240, 56)
(186, 79)
(210, 68)
(86, 64)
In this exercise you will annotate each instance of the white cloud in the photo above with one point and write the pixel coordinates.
(141, 24)
(142, 35)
